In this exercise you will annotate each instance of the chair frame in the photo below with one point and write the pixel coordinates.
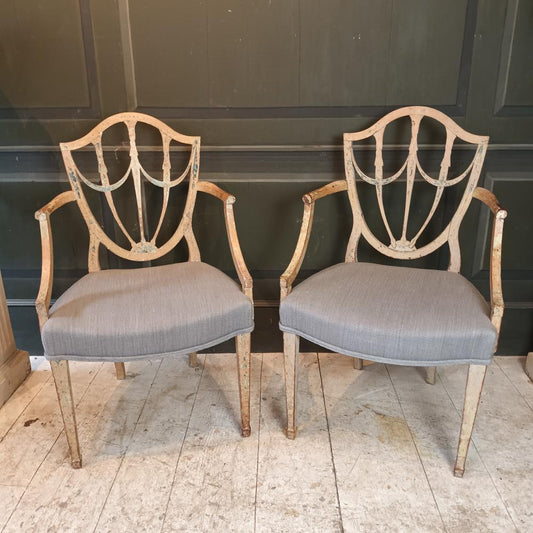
(403, 248)
(140, 251)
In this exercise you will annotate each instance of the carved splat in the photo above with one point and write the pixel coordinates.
(404, 246)
(143, 249)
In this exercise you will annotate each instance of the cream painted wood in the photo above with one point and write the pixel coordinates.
(291, 347)
(120, 369)
(243, 345)
(358, 363)
(431, 374)
(143, 249)
(14, 363)
(66, 404)
(193, 360)
(404, 247)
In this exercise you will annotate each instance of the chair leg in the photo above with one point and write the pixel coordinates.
(291, 346)
(474, 385)
(193, 360)
(357, 363)
(120, 370)
(431, 374)
(60, 371)
(243, 366)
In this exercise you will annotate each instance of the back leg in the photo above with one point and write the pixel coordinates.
(431, 374)
(120, 370)
(193, 360)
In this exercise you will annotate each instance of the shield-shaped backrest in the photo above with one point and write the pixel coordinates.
(404, 246)
(141, 248)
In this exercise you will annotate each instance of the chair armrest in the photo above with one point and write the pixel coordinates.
(288, 277)
(238, 260)
(42, 302)
(496, 296)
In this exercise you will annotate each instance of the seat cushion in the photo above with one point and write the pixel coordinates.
(123, 315)
(389, 314)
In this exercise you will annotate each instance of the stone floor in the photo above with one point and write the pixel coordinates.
(162, 450)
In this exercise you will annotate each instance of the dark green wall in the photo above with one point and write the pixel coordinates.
(270, 85)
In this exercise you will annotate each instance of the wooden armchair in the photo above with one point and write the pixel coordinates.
(393, 314)
(129, 314)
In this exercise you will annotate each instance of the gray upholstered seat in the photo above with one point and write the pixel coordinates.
(122, 315)
(392, 314)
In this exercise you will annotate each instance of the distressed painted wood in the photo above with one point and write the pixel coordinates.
(14, 363)
(243, 344)
(358, 363)
(404, 246)
(474, 385)
(431, 374)
(291, 346)
(193, 360)
(143, 249)
(120, 369)
(63, 385)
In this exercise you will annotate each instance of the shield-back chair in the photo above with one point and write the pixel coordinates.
(396, 314)
(120, 315)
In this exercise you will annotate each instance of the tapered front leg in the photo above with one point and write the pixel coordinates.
(431, 374)
(120, 370)
(357, 363)
(60, 371)
(291, 346)
(243, 343)
(474, 385)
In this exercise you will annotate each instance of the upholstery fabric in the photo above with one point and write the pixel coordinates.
(390, 314)
(122, 315)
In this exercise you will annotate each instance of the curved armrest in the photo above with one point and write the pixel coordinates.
(47, 273)
(231, 229)
(496, 295)
(288, 277)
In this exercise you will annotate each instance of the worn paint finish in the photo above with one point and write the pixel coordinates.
(140, 251)
(404, 248)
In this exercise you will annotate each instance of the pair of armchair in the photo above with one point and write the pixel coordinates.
(386, 314)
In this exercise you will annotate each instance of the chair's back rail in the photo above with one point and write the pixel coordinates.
(145, 248)
(405, 247)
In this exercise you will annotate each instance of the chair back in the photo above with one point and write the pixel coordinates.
(405, 246)
(142, 247)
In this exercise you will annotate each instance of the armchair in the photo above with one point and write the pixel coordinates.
(129, 314)
(393, 314)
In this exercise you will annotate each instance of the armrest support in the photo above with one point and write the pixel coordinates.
(288, 277)
(42, 303)
(496, 295)
(238, 260)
